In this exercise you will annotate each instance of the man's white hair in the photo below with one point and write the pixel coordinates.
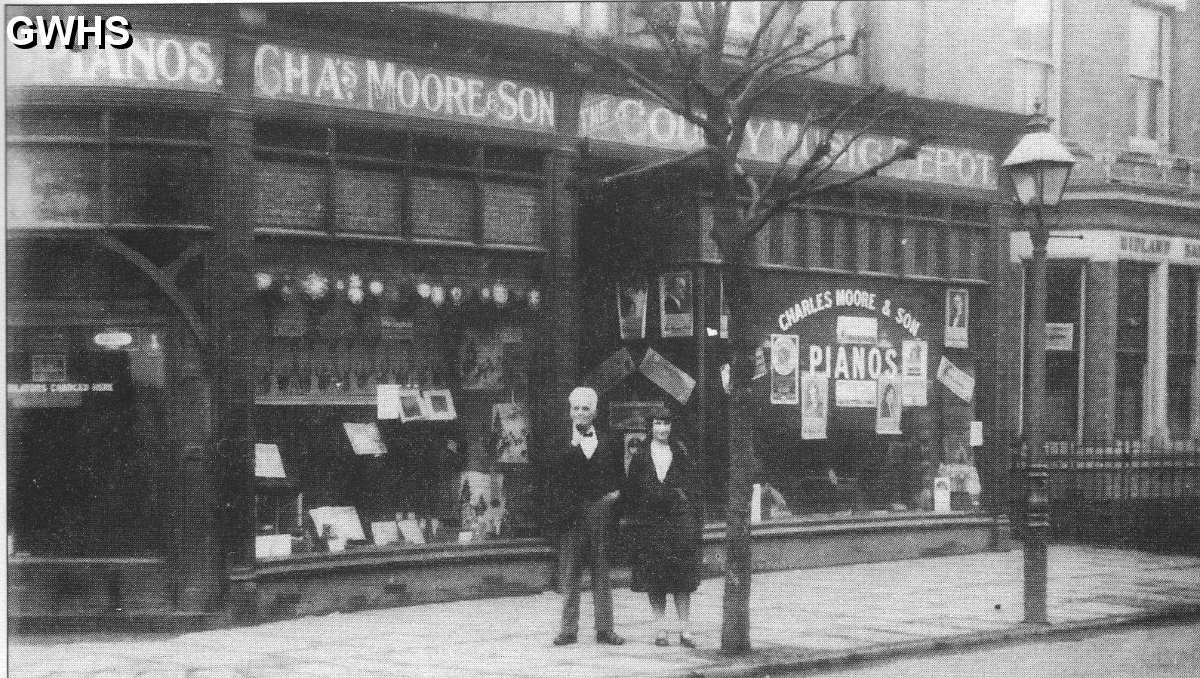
(583, 395)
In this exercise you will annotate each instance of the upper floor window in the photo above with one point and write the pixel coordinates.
(1149, 36)
(1035, 70)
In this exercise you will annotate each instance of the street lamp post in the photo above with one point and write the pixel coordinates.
(1040, 166)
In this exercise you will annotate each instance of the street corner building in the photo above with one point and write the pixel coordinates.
(296, 294)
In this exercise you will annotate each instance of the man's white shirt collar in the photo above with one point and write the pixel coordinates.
(587, 443)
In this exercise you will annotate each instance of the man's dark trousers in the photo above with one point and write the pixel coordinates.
(587, 536)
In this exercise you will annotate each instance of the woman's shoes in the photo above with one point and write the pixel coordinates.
(685, 640)
(661, 640)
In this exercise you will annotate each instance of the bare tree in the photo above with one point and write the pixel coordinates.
(717, 80)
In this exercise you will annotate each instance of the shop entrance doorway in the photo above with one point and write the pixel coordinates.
(74, 486)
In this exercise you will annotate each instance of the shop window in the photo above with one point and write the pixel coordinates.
(785, 240)
(54, 183)
(54, 122)
(157, 186)
(509, 159)
(290, 194)
(1149, 41)
(450, 463)
(381, 144)
(443, 206)
(1133, 284)
(512, 213)
(369, 201)
(437, 152)
(278, 134)
(158, 174)
(156, 124)
(1181, 348)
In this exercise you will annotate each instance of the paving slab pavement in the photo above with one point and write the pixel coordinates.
(799, 618)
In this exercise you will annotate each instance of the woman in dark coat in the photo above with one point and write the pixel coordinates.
(662, 504)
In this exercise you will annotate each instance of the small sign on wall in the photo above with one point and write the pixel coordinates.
(1060, 336)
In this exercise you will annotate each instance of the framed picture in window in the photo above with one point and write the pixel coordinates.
(438, 405)
(411, 405)
(675, 304)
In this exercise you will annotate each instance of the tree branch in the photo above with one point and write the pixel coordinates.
(646, 86)
(655, 166)
(764, 27)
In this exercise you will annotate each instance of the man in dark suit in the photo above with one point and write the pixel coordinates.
(585, 478)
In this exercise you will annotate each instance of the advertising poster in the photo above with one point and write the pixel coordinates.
(857, 330)
(914, 371)
(510, 425)
(481, 364)
(267, 462)
(855, 393)
(365, 440)
(887, 406)
(667, 376)
(815, 412)
(632, 415)
(675, 302)
(959, 382)
(760, 360)
(611, 371)
(785, 369)
(631, 309)
(958, 317)
(387, 401)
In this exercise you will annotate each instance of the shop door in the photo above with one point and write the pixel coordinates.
(74, 488)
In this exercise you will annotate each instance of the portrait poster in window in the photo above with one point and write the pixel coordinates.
(481, 364)
(914, 372)
(785, 369)
(510, 426)
(887, 405)
(958, 317)
(814, 416)
(631, 309)
(675, 302)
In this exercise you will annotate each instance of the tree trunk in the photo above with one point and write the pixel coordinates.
(735, 630)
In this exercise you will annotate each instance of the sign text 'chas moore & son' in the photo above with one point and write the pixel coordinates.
(289, 74)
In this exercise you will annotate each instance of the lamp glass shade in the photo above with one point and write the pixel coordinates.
(1026, 184)
(1054, 182)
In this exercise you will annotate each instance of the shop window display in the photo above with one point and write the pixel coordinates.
(396, 392)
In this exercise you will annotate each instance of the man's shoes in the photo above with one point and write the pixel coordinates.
(565, 639)
(686, 641)
(661, 640)
(609, 638)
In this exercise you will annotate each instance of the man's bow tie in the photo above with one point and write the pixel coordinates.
(585, 431)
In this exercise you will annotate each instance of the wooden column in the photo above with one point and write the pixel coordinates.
(558, 345)
(228, 463)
